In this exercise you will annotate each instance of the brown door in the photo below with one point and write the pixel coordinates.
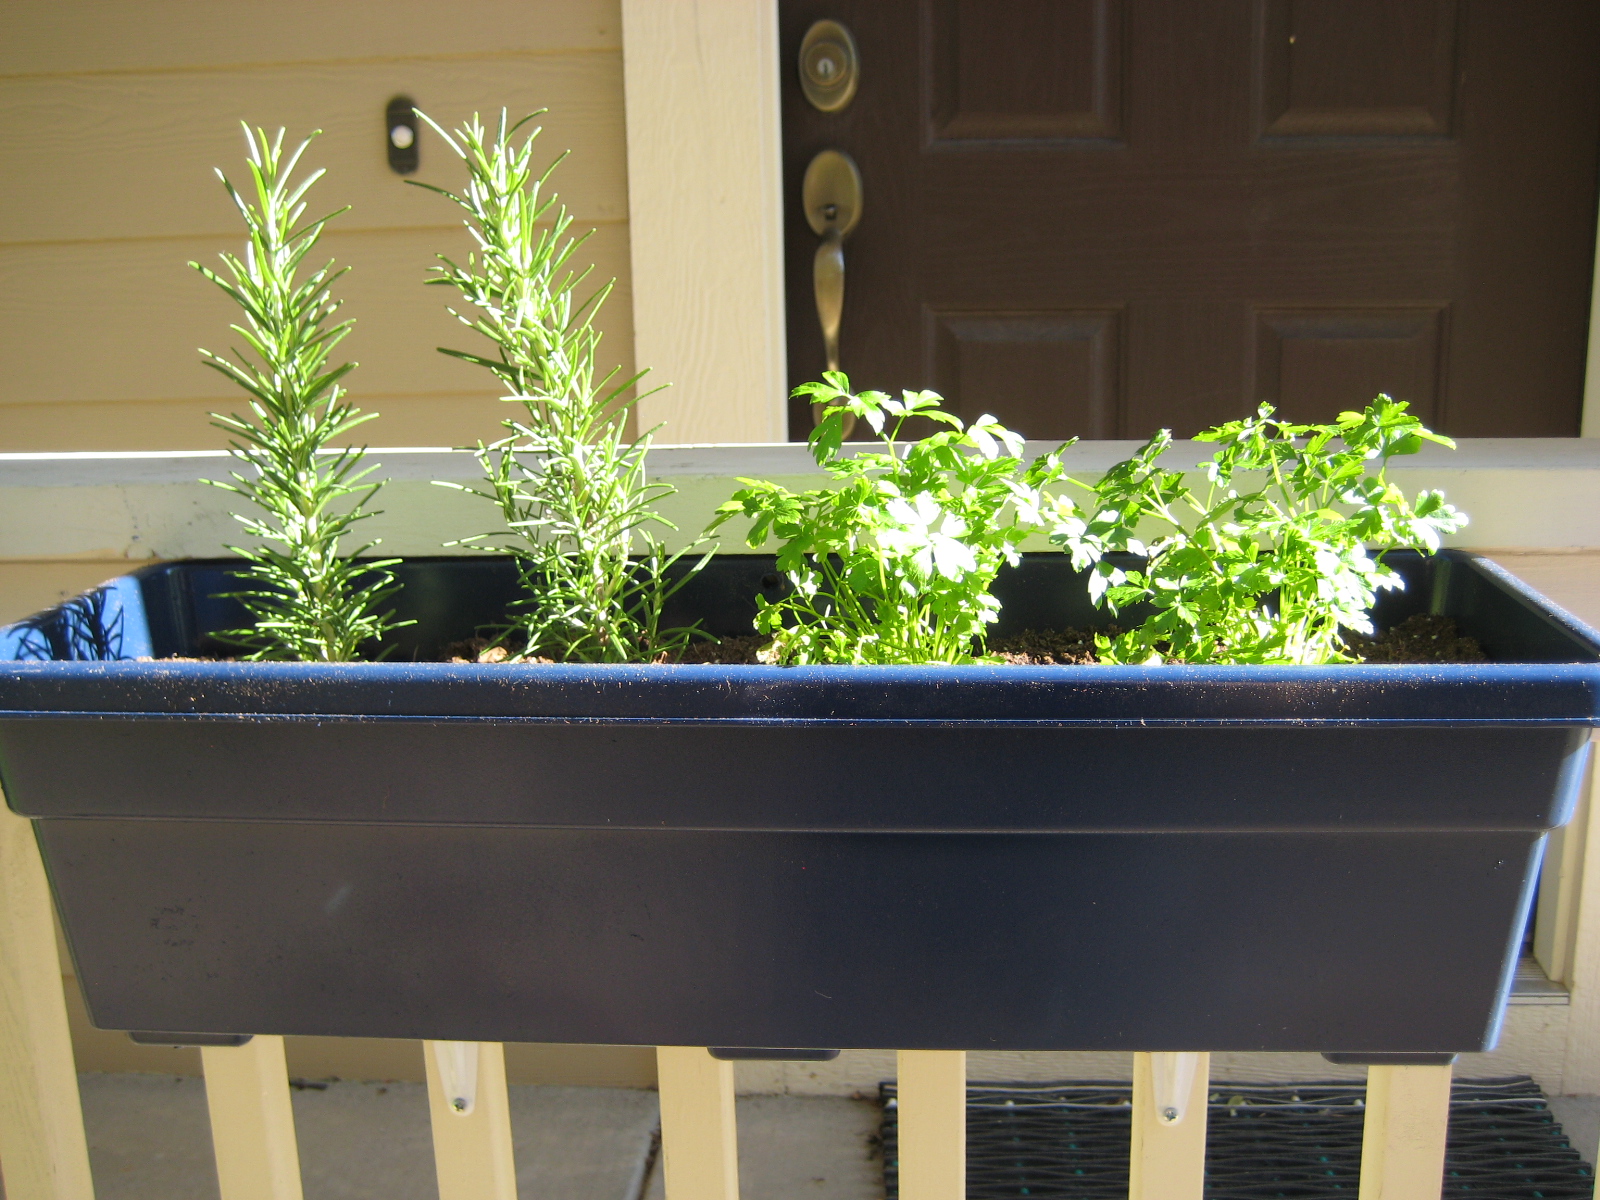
(1098, 217)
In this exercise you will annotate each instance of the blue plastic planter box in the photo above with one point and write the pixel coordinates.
(1175, 858)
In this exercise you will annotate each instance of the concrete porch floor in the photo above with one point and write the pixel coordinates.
(149, 1139)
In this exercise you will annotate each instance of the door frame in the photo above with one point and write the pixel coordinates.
(1590, 421)
(705, 202)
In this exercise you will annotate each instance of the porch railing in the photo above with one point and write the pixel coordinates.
(44, 1154)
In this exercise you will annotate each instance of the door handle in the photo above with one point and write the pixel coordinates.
(827, 277)
(831, 197)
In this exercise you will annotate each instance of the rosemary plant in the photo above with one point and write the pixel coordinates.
(569, 482)
(309, 602)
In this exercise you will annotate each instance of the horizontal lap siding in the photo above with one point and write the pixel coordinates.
(81, 36)
(84, 324)
(111, 120)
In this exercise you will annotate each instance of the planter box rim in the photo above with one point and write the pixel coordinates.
(1557, 683)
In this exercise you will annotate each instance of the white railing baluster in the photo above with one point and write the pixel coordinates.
(43, 1152)
(1402, 1142)
(471, 1116)
(931, 1086)
(699, 1134)
(1167, 1160)
(252, 1123)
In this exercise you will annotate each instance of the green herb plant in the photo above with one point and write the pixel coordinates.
(309, 601)
(1273, 560)
(893, 564)
(569, 482)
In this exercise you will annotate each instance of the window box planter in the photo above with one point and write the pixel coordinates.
(1329, 859)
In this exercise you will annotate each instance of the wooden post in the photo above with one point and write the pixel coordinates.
(1580, 1074)
(932, 1087)
(1402, 1143)
(472, 1150)
(1167, 1160)
(252, 1123)
(708, 300)
(43, 1153)
(699, 1135)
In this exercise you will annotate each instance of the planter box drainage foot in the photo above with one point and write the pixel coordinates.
(772, 1054)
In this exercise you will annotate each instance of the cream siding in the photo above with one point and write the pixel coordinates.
(112, 117)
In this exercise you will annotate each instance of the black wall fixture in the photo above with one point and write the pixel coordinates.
(400, 135)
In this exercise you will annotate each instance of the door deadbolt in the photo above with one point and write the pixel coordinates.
(829, 66)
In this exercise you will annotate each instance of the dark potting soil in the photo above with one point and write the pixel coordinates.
(728, 651)
(1423, 638)
(1048, 647)
(732, 651)
(490, 650)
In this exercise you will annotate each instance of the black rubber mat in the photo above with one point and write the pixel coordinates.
(1262, 1142)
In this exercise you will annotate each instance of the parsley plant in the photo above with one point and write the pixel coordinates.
(1273, 561)
(893, 564)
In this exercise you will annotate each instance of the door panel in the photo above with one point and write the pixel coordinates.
(1056, 374)
(1310, 362)
(1099, 217)
(1356, 68)
(1050, 69)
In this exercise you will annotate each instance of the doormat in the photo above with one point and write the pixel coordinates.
(1263, 1142)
